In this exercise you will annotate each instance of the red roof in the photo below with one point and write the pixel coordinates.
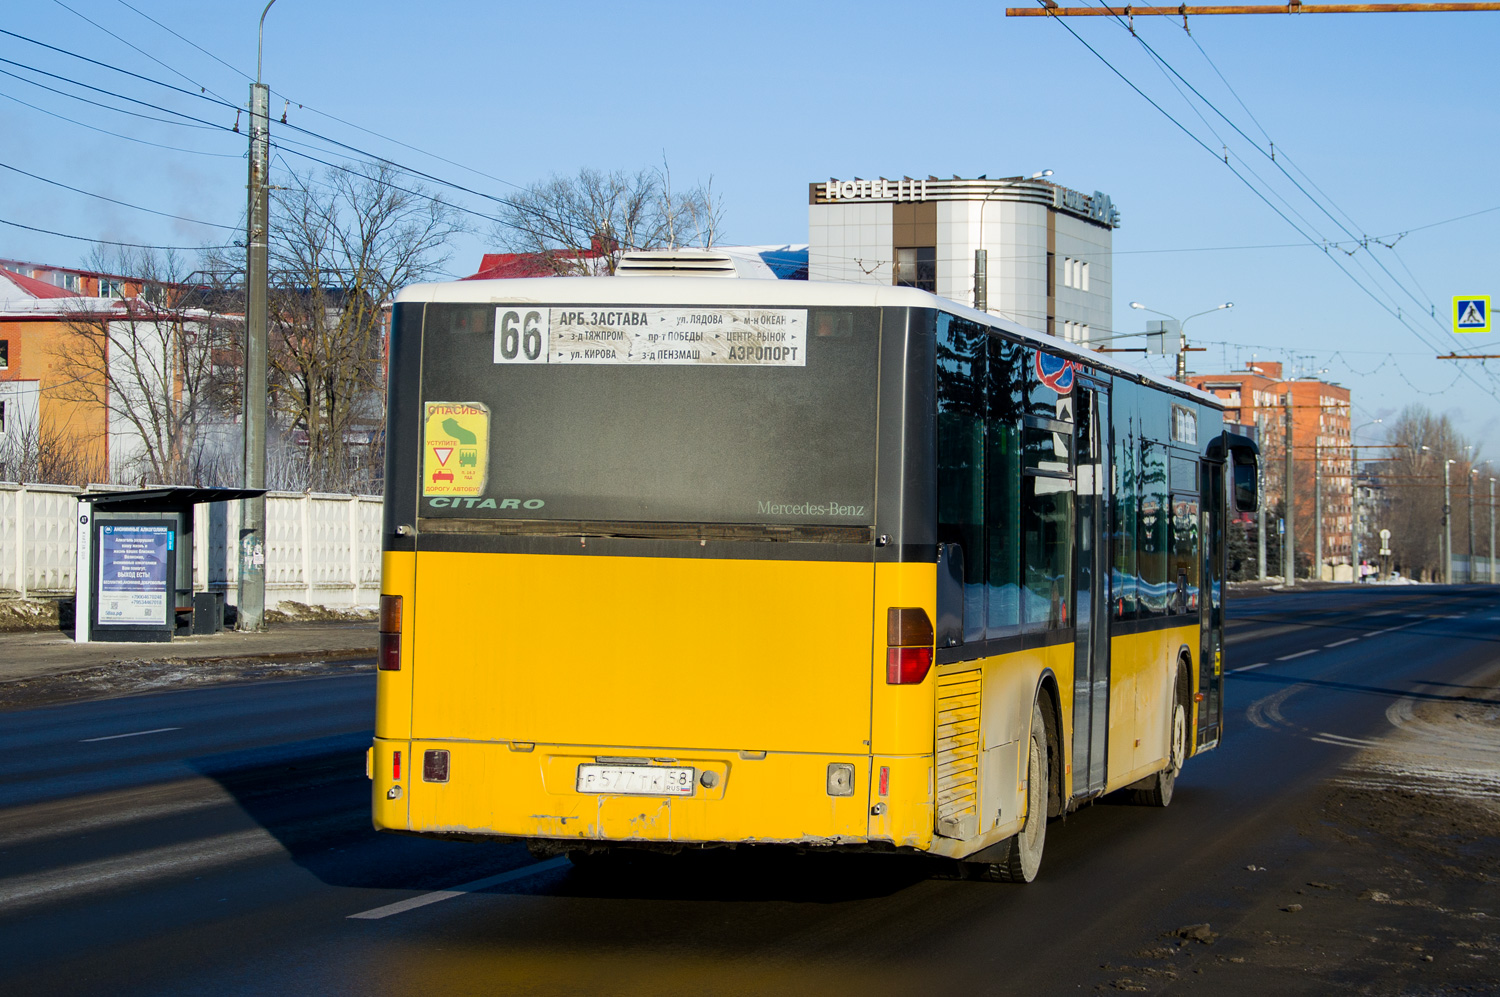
(553, 263)
(37, 288)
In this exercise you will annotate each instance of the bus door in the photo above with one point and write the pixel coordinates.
(1213, 510)
(1091, 591)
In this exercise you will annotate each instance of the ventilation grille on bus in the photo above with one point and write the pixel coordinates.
(958, 755)
(676, 263)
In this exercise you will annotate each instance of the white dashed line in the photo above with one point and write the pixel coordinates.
(1341, 643)
(413, 903)
(134, 733)
(1299, 654)
(1246, 668)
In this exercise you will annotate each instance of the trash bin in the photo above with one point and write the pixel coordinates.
(208, 612)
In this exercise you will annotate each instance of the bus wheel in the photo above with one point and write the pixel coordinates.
(1023, 853)
(1158, 789)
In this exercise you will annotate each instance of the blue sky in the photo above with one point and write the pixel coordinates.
(1388, 121)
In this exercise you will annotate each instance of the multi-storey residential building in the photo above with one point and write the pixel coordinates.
(1322, 452)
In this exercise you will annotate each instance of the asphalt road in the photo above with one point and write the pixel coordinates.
(217, 841)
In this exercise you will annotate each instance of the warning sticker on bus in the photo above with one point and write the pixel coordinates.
(767, 337)
(455, 448)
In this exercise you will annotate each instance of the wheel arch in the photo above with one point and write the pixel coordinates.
(1050, 701)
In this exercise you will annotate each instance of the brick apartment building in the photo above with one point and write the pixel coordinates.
(1321, 447)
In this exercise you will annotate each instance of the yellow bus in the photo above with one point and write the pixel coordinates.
(679, 562)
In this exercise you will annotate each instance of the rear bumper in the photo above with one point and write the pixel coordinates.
(529, 791)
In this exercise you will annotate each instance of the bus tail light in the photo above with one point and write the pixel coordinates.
(435, 765)
(396, 765)
(909, 636)
(885, 780)
(389, 659)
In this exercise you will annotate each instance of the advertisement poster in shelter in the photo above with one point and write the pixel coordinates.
(134, 573)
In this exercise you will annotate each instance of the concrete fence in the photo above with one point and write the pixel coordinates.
(322, 550)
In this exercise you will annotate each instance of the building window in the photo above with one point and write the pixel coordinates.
(66, 281)
(1075, 274)
(111, 288)
(917, 267)
(2, 418)
(4, 354)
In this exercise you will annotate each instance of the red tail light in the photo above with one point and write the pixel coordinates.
(907, 665)
(396, 765)
(909, 635)
(885, 780)
(389, 658)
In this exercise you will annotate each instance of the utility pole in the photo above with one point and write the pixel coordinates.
(1447, 526)
(1469, 564)
(1492, 531)
(1317, 508)
(1260, 525)
(252, 547)
(1289, 540)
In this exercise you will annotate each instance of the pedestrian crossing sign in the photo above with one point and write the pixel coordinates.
(1471, 313)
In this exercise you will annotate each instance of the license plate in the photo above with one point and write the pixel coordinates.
(636, 780)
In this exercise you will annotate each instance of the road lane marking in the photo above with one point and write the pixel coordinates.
(1246, 668)
(1341, 643)
(413, 903)
(1342, 741)
(134, 733)
(1299, 654)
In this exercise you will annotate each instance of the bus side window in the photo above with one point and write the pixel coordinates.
(960, 457)
(1153, 535)
(1006, 386)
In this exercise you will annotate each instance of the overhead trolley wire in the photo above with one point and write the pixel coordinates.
(111, 200)
(1395, 313)
(137, 48)
(109, 242)
(106, 131)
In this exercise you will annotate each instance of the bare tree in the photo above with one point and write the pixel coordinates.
(341, 245)
(152, 360)
(583, 223)
(1412, 478)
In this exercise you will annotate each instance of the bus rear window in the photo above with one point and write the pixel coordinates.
(658, 415)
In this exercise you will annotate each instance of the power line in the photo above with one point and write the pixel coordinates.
(197, 122)
(106, 131)
(138, 49)
(1395, 313)
(111, 200)
(108, 242)
(215, 99)
(195, 45)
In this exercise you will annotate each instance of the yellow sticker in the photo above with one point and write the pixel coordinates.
(455, 448)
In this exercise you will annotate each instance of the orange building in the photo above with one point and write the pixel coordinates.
(1321, 449)
(48, 433)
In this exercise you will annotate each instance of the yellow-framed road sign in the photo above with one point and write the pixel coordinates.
(1471, 313)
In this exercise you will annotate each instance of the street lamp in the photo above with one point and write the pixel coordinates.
(1354, 544)
(1447, 522)
(981, 255)
(1182, 345)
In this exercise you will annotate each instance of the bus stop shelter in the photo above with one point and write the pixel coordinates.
(134, 575)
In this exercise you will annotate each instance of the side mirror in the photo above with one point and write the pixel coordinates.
(1245, 478)
(950, 595)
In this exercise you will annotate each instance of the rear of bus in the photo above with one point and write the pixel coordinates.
(642, 541)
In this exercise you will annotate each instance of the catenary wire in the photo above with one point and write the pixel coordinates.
(111, 200)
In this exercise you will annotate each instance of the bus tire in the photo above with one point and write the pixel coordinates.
(1158, 789)
(1023, 852)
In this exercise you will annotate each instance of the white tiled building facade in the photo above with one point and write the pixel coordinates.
(925, 232)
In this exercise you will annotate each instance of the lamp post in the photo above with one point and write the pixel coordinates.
(251, 600)
(1182, 346)
(1354, 544)
(1492, 531)
(1469, 562)
(1447, 521)
(981, 256)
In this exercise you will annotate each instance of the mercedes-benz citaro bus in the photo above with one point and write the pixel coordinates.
(675, 562)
